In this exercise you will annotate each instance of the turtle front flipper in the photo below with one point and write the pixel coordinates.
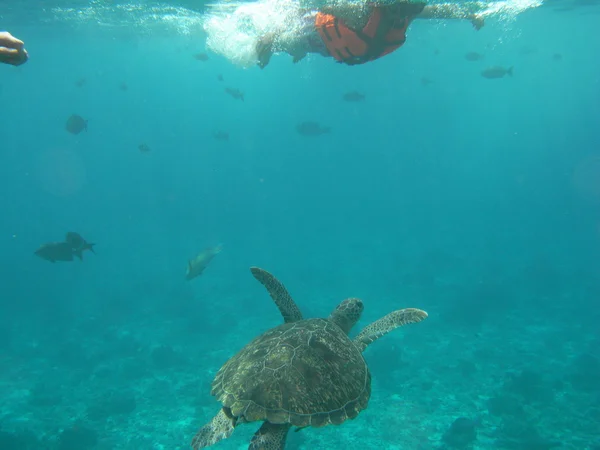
(289, 310)
(386, 324)
(270, 437)
(220, 427)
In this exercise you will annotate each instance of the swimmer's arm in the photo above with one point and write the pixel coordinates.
(346, 11)
(452, 11)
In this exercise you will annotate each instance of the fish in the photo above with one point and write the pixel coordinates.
(197, 265)
(309, 128)
(474, 56)
(557, 57)
(81, 82)
(235, 93)
(220, 77)
(78, 244)
(143, 148)
(123, 86)
(461, 430)
(55, 251)
(221, 135)
(353, 96)
(496, 72)
(76, 124)
(201, 56)
(426, 81)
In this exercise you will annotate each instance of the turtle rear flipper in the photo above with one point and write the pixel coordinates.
(288, 308)
(220, 427)
(270, 437)
(386, 324)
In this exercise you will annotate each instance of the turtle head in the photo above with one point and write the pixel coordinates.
(347, 313)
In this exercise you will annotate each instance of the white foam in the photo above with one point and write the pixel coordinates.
(233, 29)
(508, 9)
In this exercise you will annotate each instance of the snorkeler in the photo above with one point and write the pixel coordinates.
(12, 50)
(365, 33)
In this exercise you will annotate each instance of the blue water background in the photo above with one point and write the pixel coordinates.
(474, 199)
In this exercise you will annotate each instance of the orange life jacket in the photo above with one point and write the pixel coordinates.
(384, 32)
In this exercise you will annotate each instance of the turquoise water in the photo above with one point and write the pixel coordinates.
(475, 199)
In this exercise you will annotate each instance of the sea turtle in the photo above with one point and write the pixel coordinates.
(305, 372)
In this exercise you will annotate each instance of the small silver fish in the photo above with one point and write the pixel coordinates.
(197, 265)
(235, 93)
(474, 56)
(310, 128)
(496, 72)
(353, 96)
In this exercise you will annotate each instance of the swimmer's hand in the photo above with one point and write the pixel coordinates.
(477, 21)
(12, 50)
(298, 56)
(264, 49)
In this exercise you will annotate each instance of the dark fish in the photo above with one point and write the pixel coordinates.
(76, 124)
(557, 57)
(235, 93)
(81, 82)
(353, 96)
(220, 77)
(311, 129)
(74, 239)
(197, 265)
(201, 56)
(474, 56)
(461, 431)
(221, 135)
(55, 251)
(78, 244)
(496, 72)
(123, 86)
(436, 52)
(143, 148)
(426, 81)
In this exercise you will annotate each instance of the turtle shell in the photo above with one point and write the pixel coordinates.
(306, 373)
